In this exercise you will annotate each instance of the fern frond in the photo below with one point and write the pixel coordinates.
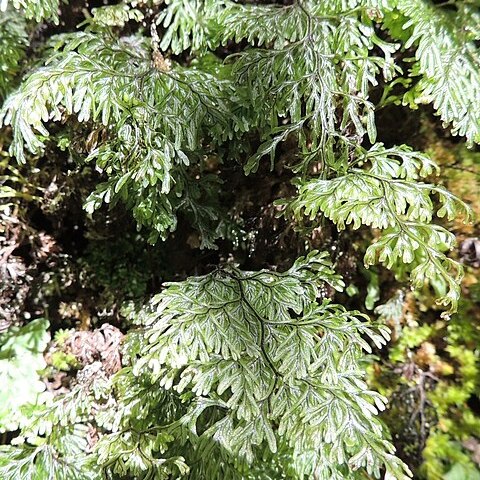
(387, 196)
(189, 24)
(260, 25)
(152, 125)
(74, 83)
(42, 462)
(13, 43)
(315, 61)
(21, 359)
(132, 452)
(247, 345)
(318, 68)
(447, 64)
(34, 9)
(116, 15)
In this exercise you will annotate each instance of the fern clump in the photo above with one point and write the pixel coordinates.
(227, 359)
(240, 368)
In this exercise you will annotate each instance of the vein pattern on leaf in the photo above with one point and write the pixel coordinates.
(256, 346)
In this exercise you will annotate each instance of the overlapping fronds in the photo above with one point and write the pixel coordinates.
(151, 119)
(237, 374)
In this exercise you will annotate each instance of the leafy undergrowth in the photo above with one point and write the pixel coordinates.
(217, 263)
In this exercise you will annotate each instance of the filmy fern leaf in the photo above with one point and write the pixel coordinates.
(319, 69)
(256, 345)
(40, 463)
(159, 118)
(446, 62)
(387, 196)
(13, 43)
(241, 375)
(34, 9)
